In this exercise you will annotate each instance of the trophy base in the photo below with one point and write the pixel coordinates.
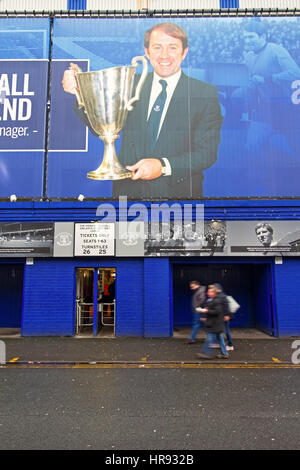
(107, 176)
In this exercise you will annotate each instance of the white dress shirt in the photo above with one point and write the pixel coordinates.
(155, 91)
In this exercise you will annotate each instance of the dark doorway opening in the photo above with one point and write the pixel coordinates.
(11, 294)
(249, 284)
(95, 301)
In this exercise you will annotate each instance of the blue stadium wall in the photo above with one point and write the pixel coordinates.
(145, 296)
(144, 291)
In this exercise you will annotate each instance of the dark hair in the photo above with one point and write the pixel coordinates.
(171, 29)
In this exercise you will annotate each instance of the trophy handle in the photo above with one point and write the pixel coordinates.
(136, 97)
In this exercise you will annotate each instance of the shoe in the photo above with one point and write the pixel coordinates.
(190, 341)
(214, 346)
(229, 348)
(222, 356)
(204, 356)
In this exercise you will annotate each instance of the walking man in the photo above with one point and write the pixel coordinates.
(198, 300)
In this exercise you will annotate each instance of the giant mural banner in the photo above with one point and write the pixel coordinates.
(150, 108)
(228, 127)
(23, 100)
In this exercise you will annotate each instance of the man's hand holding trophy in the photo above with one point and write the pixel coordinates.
(106, 96)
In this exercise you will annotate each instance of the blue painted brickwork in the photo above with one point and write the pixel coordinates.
(144, 285)
(49, 296)
(157, 297)
(130, 298)
(142, 295)
(48, 299)
(287, 287)
(143, 292)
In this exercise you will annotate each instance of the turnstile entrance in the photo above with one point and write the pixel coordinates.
(84, 300)
(95, 301)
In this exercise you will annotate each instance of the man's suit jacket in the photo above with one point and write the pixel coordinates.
(189, 138)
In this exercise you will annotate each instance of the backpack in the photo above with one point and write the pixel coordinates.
(233, 306)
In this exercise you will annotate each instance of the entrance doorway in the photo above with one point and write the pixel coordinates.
(84, 301)
(95, 301)
(249, 284)
(11, 293)
(107, 297)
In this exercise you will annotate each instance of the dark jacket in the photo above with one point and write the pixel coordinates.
(223, 296)
(199, 298)
(215, 315)
(225, 305)
(189, 138)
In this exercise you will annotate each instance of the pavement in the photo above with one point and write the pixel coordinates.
(250, 347)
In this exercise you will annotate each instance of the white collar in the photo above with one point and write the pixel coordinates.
(171, 81)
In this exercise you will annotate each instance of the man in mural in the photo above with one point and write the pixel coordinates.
(266, 100)
(264, 233)
(167, 157)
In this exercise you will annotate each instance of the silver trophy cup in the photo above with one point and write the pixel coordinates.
(107, 97)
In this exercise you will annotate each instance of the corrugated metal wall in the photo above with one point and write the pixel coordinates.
(116, 4)
(184, 4)
(39, 5)
(283, 4)
(30, 5)
(152, 4)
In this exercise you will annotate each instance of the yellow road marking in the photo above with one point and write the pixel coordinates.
(187, 366)
(275, 359)
(14, 359)
(155, 365)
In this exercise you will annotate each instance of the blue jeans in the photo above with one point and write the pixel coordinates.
(212, 338)
(228, 334)
(196, 325)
